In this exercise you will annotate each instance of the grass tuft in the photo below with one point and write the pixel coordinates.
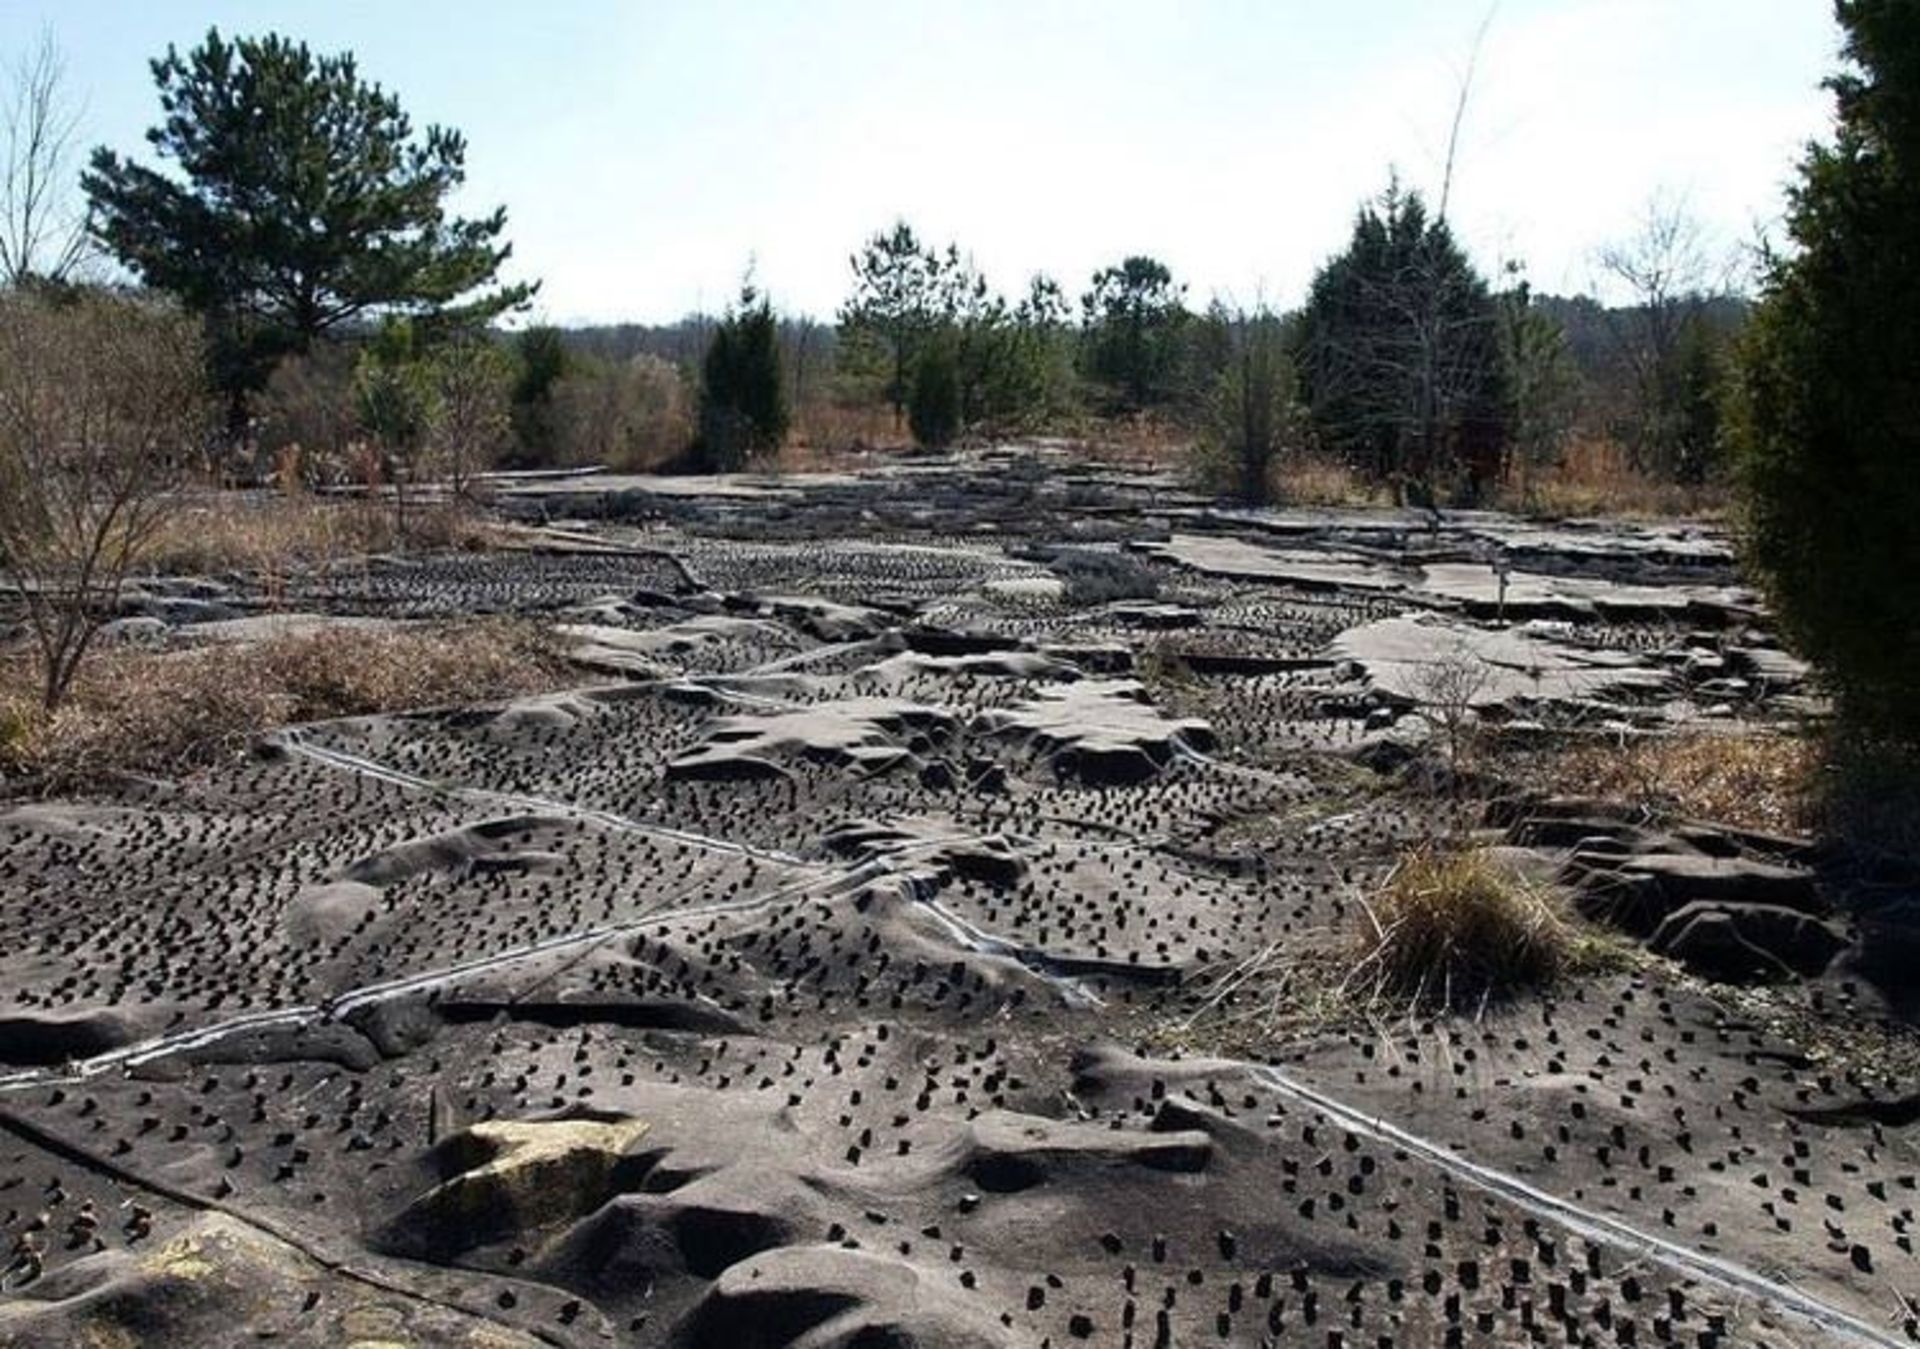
(1452, 928)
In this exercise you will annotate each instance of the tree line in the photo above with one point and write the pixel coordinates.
(352, 324)
(294, 242)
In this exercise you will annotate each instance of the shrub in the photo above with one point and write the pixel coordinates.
(1450, 928)
(1252, 412)
(743, 397)
(306, 419)
(933, 405)
(102, 404)
(1092, 576)
(635, 415)
(1823, 421)
(472, 419)
(396, 403)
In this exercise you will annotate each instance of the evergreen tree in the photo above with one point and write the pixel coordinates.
(933, 407)
(302, 201)
(1400, 355)
(1827, 414)
(743, 398)
(541, 361)
(1210, 351)
(904, 291)
(1011, 363)
(1698, 392)
(1044, 378)
(1542, 381)
(1135, 316)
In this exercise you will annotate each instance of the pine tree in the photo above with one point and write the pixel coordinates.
(542, 361)
(1135, 317)
(302, 202)
(904, 291)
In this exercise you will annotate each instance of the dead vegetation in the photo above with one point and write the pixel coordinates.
(825, 429)
(1319, 480)
(266, 534)
(1595, 477)
(165, 713)
(1752, 781)
(1451, 928)
(101, 401)
(1861, 797)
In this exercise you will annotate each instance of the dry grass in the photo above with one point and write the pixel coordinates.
(1448, 930)
(824, 428)
(1864, 798)
(1451, 928)
(168, 712)
(798, 456)
(268, 534)
(1756, 781)
(1148, 440)
(1316, 480)
(1594, 478)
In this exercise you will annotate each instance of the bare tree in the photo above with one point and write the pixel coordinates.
(43, 229)
(102, 403)
(1668, 270)
(1450, 688)
(473, 416)
(1460, 109)
(632, 416)
(805, 348)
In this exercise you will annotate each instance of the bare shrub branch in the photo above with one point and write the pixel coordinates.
(43, 229)
(102, 403)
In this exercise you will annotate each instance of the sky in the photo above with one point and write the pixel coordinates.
(647, 152)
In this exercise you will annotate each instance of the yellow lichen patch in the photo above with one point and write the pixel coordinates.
(182, 1258)
(526, 1144)
(517, 1174)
